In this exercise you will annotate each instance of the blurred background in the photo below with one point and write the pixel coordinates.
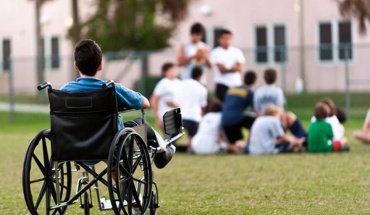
(316, 45)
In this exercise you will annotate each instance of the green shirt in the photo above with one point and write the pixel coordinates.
(320, 137)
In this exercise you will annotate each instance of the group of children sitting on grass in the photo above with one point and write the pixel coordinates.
(268, 122)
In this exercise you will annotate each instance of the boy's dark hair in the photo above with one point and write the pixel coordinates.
(321, 111)
(166, 67)
(88, 57)
(197, 28)
(223, 32)
(196, 72)
(331, 105)
(270, 76)
(250, 78)
(341, 115)
(214, 105)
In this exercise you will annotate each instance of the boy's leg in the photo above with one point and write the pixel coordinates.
(192, 128)
(248, 121)
(295, 126)
(221, 91)
(362, 136)
(235, 138)
(162, 157)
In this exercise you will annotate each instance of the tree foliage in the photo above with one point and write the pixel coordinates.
(360, 9)
(133, 24)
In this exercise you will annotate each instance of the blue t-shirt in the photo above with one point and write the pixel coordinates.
(125, 97)
(236, 101)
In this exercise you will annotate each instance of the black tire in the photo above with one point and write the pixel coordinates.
(39, 177)
(153, 204)
(131, 188)
(86, 203)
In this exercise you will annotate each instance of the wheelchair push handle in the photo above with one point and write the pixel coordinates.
(108, 83)
(44, 85)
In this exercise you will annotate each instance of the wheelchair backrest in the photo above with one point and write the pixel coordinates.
(83, 124)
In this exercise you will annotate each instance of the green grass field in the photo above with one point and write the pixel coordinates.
(226, 184)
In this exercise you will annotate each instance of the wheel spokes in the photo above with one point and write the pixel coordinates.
(137, 162)
(136, 197)
(39, 164)
(41, 195)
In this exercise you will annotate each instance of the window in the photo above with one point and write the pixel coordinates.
(345, 40)
(55, 61)
(326, 43)
(216, 33)
(270, 44)
(279, 43)
(261, 40)
(6, 54)
(335, 41)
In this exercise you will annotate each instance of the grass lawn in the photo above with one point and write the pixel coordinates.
(225, 184)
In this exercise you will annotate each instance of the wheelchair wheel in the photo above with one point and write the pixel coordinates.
(39, 178)
(86, 204)
(153, 204)
(129, 174)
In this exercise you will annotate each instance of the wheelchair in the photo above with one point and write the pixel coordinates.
(83, 132)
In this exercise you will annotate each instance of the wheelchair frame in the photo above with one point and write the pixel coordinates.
(129, 156)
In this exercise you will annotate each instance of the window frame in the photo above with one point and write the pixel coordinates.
(335, 42)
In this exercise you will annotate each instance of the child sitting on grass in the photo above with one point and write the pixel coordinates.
(268, 136)
(320, 132)
(88, 63)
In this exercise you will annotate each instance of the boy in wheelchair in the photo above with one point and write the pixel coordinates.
(88, 63)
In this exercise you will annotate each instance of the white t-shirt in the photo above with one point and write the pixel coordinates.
(205, 141)
(268, 95)
(167, 90)
(264, 132)
(190, 49)
(192, 97)
(228, 57)
(337, 128)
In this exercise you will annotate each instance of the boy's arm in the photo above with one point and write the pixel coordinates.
(154, 101)
(181, 59)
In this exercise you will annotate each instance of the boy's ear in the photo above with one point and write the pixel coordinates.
(100, 68)
(75, 66)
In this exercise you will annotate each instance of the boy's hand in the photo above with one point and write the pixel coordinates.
(159, 123)
(172, 104)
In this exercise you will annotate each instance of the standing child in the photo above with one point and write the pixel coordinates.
(194, 52)
(165, 95)
(227, 64)
(320, 132)
(193, 101)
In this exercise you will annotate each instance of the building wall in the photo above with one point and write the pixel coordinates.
(17, 23)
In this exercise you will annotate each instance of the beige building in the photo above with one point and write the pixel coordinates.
(300, 38)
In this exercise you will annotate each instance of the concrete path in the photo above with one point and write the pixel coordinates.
(25, 108)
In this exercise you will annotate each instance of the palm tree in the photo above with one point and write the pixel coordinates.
(360, 9)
